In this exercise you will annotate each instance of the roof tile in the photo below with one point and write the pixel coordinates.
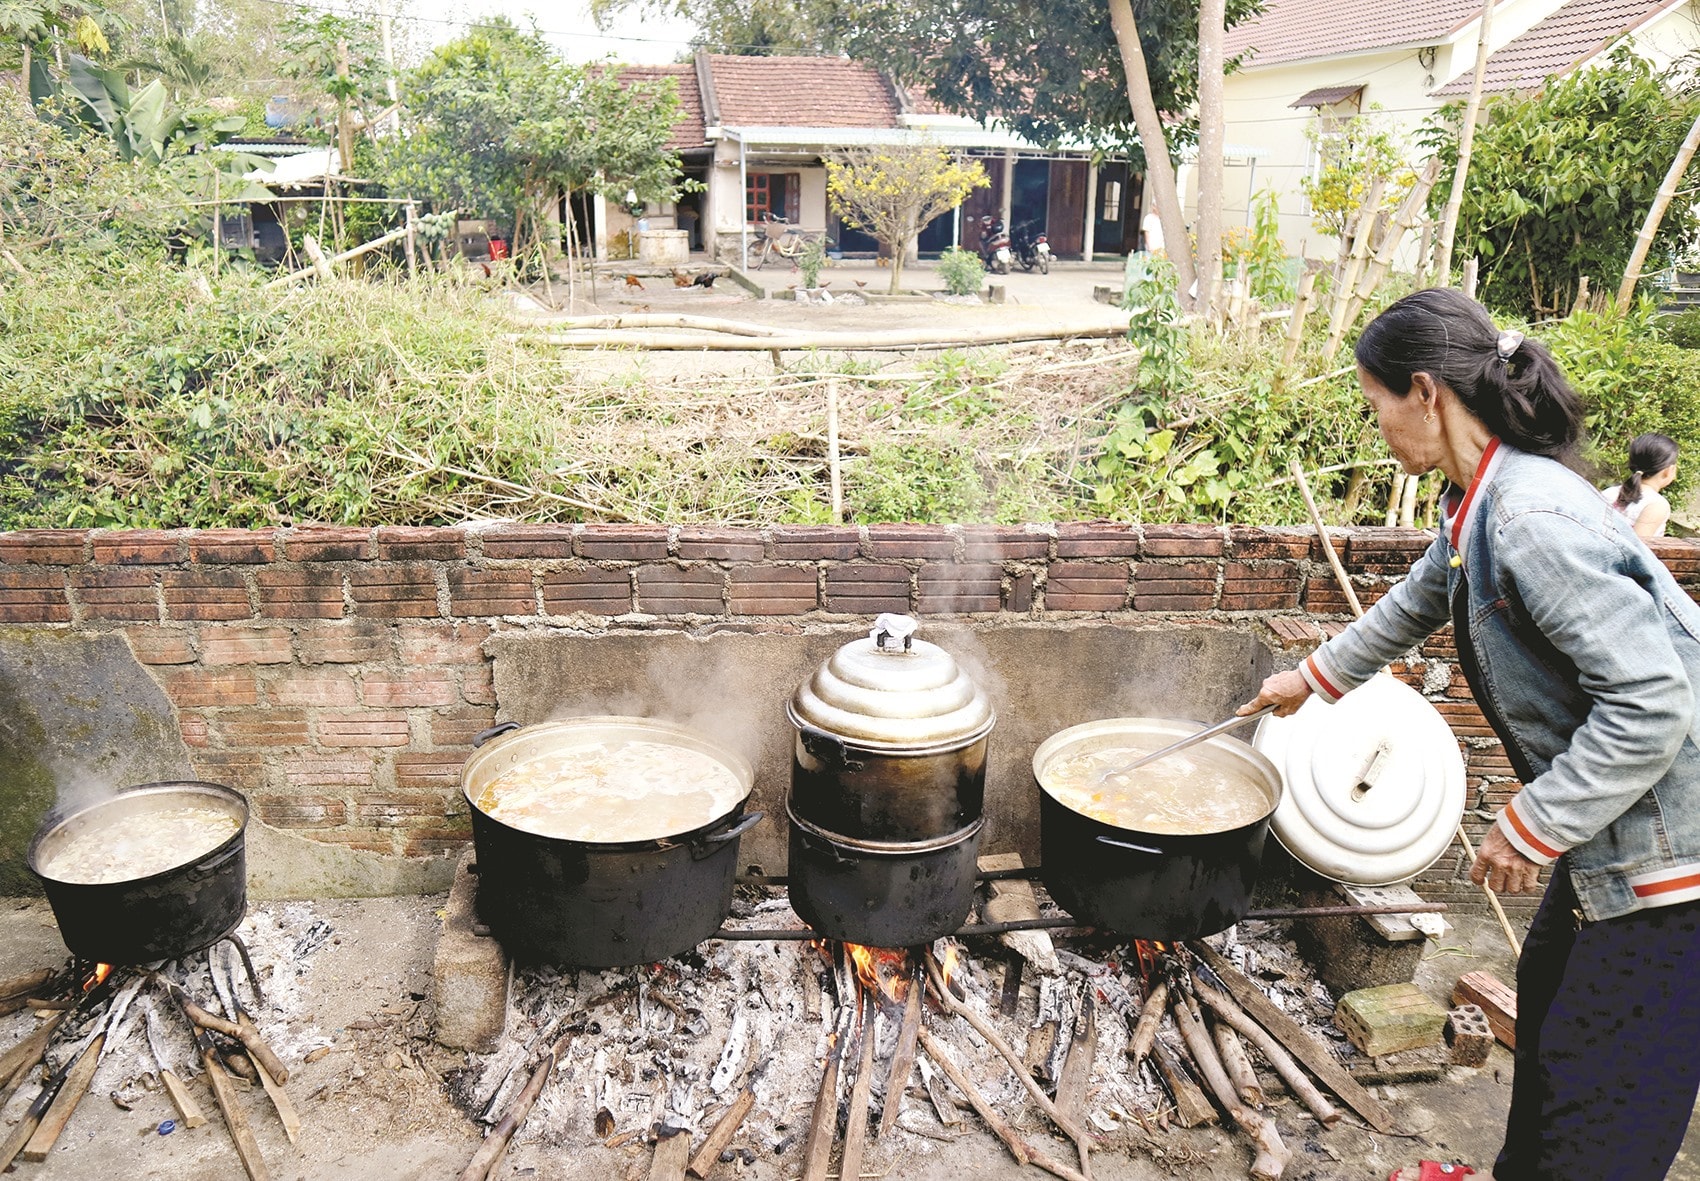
(1557, 44)
(801, 92)
(1293, 30)
(688, 132)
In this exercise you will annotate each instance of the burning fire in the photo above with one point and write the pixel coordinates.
(1150, 953)
(884, 971)
(97, 977)
(948, 964)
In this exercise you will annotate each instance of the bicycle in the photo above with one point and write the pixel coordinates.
(782, 238)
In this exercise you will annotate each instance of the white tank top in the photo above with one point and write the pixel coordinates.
(1633, 511)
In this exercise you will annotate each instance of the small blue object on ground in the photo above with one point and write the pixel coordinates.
(166, 1127)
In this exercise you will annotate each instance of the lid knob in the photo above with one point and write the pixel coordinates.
(895, 628)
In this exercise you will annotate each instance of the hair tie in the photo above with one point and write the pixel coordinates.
(1509, 342)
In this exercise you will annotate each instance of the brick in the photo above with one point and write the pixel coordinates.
(491, 592)
(949, 589)
(438, 838)
(327, 544)
(1183, 541)
(429, 769)
(355, 642)
(867, 590)
(298, 811)
(994, 543)
(312, 770)
(591, 590)
(420, 543)
(315, 686)
(193, 727)
(670, 590)
(1385, 552)
(244, 770)
(1491, 761)
(1297, 633)
(909, 541)
(392, 808)
(1465, 718)
(721, 545)
(110, 592)
(154, 645)
(478, 686)
(443, 643)
(28, 596)
(1251, 544)
(1468, 1035)
(1097, 539)
(1185, 586)
(1020, 596)
(815, 542)
(300, 592)
(623, 543)
(232, 545)
(1086, 586)
(206, 595)
(244, 729)
(456, 727)
(193, 688)
(363, 728)
(44, 547)
(1323, 596)
(396, 590)
(1390, 1018)
(1439, 645)
(529, 541)
(1269, 586)
(139, 547)
(773, 590)
(1496, 1000)
(246, 645)
(416, 687)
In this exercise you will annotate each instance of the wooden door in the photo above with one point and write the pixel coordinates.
(1065, 215)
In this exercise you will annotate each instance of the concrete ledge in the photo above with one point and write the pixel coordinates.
(472, 973)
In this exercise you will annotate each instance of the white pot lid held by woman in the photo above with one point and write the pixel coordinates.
(1375, 783)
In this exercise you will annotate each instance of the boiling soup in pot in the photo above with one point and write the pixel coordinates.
(128, 846)
(613, 791)
(1177, 795)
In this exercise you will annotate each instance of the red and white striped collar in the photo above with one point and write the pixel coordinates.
(1457, 507)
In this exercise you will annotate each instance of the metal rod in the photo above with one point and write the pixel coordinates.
(1203, 735)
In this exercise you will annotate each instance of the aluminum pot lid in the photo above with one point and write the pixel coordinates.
(1375, 783)
(892, 690)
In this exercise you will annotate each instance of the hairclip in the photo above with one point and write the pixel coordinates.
(1509, 342)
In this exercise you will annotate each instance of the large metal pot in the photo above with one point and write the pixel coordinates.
(1148, 885)
(601, 904)
(888, 782)
(164, 915)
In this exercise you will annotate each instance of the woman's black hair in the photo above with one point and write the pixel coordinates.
(1513, 385)
(1648, 455)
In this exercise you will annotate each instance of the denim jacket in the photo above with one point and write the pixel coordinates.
(1584, 654)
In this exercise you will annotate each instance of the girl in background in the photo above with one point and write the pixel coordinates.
(1652, 466)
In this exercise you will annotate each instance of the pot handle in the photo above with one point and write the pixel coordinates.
(1104, 840)
(827, 748)
(496, 731)
(706, 846)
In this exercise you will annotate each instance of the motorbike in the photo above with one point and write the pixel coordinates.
(1032, 249)
(994, 245)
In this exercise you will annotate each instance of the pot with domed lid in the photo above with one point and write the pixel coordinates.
(891, 740)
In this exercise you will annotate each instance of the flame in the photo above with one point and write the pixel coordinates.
(884, 971)
(947, 965)
(97, 977)
(1150, 953)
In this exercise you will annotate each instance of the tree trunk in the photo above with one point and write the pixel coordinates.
(1212, 26)
(1655, 215)
(1466, 142)
(24, 75)
(1159, 165)
(899, 251)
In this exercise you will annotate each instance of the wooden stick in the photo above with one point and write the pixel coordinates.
(1191, 1107)
(702, 1164)
(71, 1093)
(895, 339)
(188, 1111)
(247, 1148)
(994, 1121)
(17, 986)
(652, 320)
(322, 264)
(1272, 1154)
(1493, 899)
(903, 1058)
(496, 1142)
(667, 1163)
(20, 1058)
(286, 1113)
(249, 1035)
(243, 1030)
(949, 1115)
(823, 1122)
(1150, 1017)
(835, 479)
(856, 1133)
(20, 1136)
(1316, 1057)
(1077, 1067)
(1322, 533)
(1228, 1013)
(1237, 1063)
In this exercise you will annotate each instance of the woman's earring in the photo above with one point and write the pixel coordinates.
(1429, 417)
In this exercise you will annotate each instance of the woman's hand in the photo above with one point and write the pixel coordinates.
(1501, 868)
(1285, 691)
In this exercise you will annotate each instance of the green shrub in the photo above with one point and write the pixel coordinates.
(811, 260)
(1683, 329)
(961, 271)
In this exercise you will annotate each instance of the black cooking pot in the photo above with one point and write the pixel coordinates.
(159, 917)
(601, 904)
(1148, 885)
(882, 894)
(868, 792)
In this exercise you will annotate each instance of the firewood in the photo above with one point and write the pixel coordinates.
(856, 1133)
(21, 1133)
(1273, 1052)
(247, 1148)
(1191, 1107)
(249, 1035)
(26, 1054)
(1012, 899)
(1272, 1154)
(943, 1105)
(16, 986)
(1237, 1064)
(496, 1142)
(189, 1112)
(1077, 1067)
(286, 1113)
(823, 1123)
(1150, 1017)
(903, 1057)
(1317, 1058)
(667, 1163)
(721, 1135)
(71, 1093)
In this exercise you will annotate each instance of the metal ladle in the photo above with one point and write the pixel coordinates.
(1190, 740)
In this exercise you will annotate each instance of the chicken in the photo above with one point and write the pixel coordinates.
(861, 282)
(680, 279)
(704, 280)
(634, 281)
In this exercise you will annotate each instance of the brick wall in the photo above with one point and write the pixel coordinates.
(337, 675)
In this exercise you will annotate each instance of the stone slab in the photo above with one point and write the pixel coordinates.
(1390, 1018)
(471, 972)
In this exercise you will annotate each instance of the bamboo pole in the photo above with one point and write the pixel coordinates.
(835, 476)
(1409, 210)
(1471, 270)
(1656, 215)
(322, 264)
(901, 340)
(1327, 545)
(1466, 144)
(1296, 325)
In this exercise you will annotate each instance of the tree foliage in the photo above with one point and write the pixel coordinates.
(1353, 154)
(891, 192)
(1560, 181)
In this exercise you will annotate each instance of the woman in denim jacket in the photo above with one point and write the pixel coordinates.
(1582, 651)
